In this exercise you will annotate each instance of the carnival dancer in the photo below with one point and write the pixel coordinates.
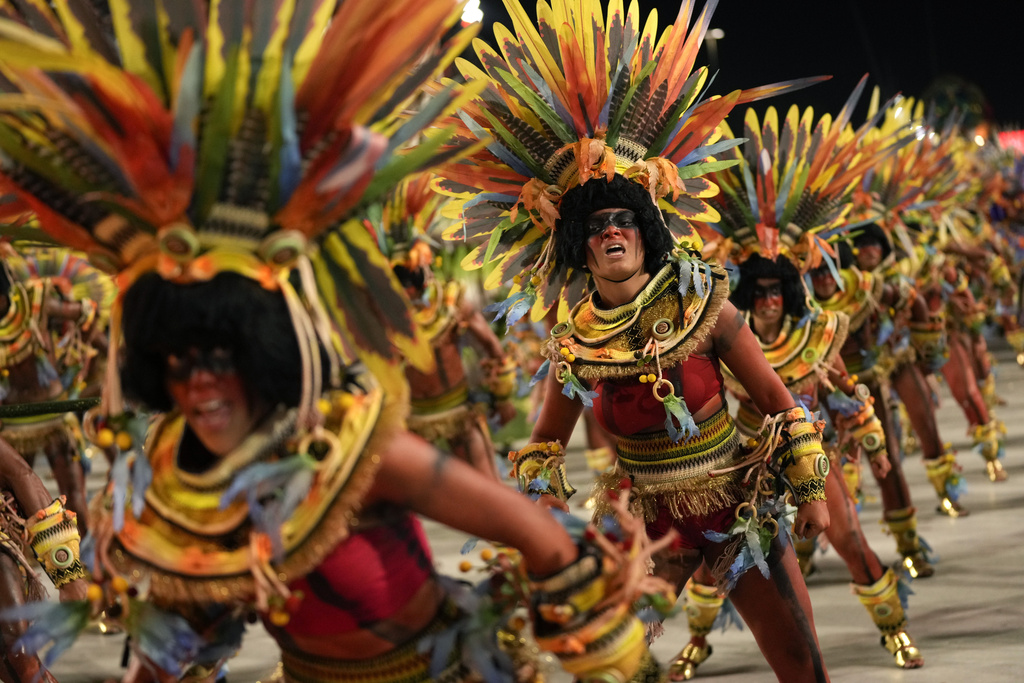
(803, 348)
(442, 412)
(600, 140)
(947, 288)
(54, 304)
(215, 163)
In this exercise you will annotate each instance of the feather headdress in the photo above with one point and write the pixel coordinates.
(923, 177)
(193, 138)
(791, 190)
(409, 220)
(583, 96)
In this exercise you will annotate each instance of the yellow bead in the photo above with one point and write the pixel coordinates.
(105, 438)
(119, 584)
(486, 554)
(124, 440)
(517, 279)
(344, 400)
(571, 357)
(555, 447)
(535, 280)
(324, 406)
(279, 617)
(652, 378)
(853, 378)
(94, 592)
(643, 379)
(564, 351)
(465, 566)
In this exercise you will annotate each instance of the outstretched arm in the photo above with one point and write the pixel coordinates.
(736, 345)
(415, 475)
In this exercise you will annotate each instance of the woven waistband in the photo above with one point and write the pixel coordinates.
(449, 400)
(651, 458)
(404, 664)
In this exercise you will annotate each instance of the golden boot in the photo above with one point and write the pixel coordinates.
(944, 474)
(902, 525)
(703, 603)
(882, 601)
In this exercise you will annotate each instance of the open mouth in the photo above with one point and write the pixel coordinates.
(615, 250)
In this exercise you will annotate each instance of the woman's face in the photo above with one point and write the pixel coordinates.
(823, 283)
(210, 394)
(768, 300)
(869, 255)
(615, 251)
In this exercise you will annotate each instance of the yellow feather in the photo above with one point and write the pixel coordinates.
(269, 77)
(215, 64)
(72, 27)
(240, 101)
(771, 122)
(131, 47)
(530, 38)
(310, 45)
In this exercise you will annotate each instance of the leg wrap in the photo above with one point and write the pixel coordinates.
(902, 525)
(882, 601)
(944, 474)
(703, 603)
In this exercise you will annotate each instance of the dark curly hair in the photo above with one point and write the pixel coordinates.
(781, 269)
(618, 193)
(872, 233)
(231, 312)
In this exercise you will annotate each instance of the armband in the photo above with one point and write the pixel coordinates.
(863, 426)
(540, 468)
(53, 537)
(501, 377)
(801, 454)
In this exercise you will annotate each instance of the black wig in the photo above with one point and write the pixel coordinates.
(872, 233)
(756, 267)
(619, 193)
(230, 312)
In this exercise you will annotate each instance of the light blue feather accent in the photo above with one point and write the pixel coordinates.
(289, 154)
(187, 105)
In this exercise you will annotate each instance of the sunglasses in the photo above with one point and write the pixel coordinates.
(217, 360)
(624, 220)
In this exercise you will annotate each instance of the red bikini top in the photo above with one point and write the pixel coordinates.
(625, 406)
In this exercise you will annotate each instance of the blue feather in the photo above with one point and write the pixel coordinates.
(289, 154)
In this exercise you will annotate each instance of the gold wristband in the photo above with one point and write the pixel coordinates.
(53, 537)
(809, 465)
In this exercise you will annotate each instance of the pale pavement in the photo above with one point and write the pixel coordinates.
(968, 619)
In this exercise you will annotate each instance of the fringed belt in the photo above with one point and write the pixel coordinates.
(676, 475)
(405, 664)
(29, 435)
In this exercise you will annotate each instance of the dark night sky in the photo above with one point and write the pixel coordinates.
(904, 45)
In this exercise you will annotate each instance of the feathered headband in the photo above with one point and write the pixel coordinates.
(581, 97)
(203, 138)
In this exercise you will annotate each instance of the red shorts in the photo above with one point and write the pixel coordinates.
(691, 528)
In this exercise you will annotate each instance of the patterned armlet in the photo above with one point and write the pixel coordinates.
(540, 468)
(593, 639)
(800, 453)
(53, 536)
(862, 425)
